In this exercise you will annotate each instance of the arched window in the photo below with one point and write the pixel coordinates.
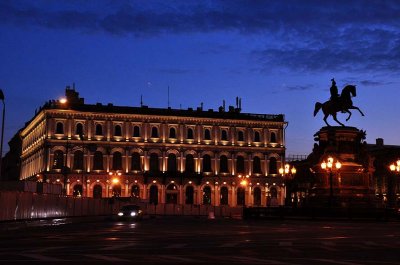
(273, 192)
(153, 195)
(172, 133)
(79, 129)
(117, 130)
(171, 194)
(207, 163)
(240, 136)
(117, 161)
(78, 190)
(224, 135)
(98, 161)
(206, 195)
(257, 196)
(99, 129)
(97, 191)
(256, 136)
(240, 196)
(224, 196)
(223, 164)
(136, 131)
(59, 128)
(135, 163)
(189, 195)
(58, 162)
(207, 134)
(189, 133)
(154, 132)
(240, 164)
(78, 160)
(171, 163)
(135, 191)
(272, 166)
(273, 137)
(256, 165)
(154, 163)
(189, 163)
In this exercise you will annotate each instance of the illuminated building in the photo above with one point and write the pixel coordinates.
(158, 155)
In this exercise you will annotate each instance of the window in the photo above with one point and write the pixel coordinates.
(240, 136)
(189, 195)
(273, 192)
(256, 136)
(154, 132)
(189, 163)
(224, 135)
(273, 137)
(172, 133)
(206, 163)
(116, 190)
(99, 129)
(154, 163)
(223, 164)
(97, 191)
(190, 133)
(207, 134)
(240, 164)
(58, 162)
(79, 129)
(207, 195)
(78, 160)
(135, 191)
(224, 196)
(59, 128)
(136, 131)
(117, 130)
(153, 195)
(135, 163)
(171, 194)
(256, 165)
(78, 190)
(98, 161)
(272, 166)
(117, 161)
(171, 163)
(257, 196)
(240, 196)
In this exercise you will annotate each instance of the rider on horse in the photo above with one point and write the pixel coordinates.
(334, 91)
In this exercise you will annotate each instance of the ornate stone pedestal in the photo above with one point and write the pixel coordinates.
(349, 186)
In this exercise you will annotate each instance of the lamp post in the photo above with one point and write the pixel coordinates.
(243, 181)
(288, 172)
(2, 132)
(330, 166)
(395, 168)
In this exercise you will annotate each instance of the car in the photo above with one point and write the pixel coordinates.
(130, 212)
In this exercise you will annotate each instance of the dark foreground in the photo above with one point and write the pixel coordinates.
(201, 241)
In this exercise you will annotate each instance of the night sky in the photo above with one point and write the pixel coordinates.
(278, 56)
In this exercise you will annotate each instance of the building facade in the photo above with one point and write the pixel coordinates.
(157, 155)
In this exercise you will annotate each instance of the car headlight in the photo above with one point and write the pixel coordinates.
(133, 213)
(120, 214)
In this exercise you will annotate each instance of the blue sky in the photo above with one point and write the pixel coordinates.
(278, 56)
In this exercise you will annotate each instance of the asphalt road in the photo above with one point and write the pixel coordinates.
(200, 241)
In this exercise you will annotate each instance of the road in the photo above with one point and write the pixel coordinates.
(199, 241)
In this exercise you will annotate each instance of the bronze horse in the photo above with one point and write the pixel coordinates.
(343, 103)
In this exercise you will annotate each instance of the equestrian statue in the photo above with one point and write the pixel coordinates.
(338, 103)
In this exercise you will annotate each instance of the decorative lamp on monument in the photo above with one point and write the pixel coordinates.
(331, 166)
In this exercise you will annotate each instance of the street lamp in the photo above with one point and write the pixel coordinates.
(2, 131)
(243, 181)
(288, 173)
(329, 166)
(395, 168)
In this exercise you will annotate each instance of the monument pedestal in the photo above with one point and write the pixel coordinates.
(349, 186)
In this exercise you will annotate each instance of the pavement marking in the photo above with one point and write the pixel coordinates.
(228, 245)
(106, 258)
(40, 257)
(176, 246)
(115, 247)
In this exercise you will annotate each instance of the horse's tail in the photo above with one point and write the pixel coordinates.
(318, 106)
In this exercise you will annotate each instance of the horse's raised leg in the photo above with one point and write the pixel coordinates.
(334, 117)
(348, 118)
(357, 108)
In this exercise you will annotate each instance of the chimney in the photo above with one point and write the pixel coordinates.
(379, 141)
